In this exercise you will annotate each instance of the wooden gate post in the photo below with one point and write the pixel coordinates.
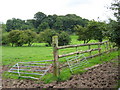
(89, 49)
(55, 54)
(99, 47)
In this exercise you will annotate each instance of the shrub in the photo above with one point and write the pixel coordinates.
(18, 38)
(5, 40)
(63, 39)
(47, 35)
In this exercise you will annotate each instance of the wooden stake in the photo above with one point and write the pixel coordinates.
(89, 49)
(55, 54)
(99, 47)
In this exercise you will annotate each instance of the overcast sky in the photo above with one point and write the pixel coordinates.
(25, 9)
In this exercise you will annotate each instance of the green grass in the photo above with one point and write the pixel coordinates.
(38, 52)
(12, 55)
(66, 74)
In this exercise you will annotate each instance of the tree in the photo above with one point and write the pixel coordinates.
(46, 36)
(16, 24)
(42, 27)
(114, 32)
(58, 25)
(17, 38)
(30, 37)
(96, 29)
(3, 26)
(63, 38)
(83, 33)
(5, 39)
(39, 17)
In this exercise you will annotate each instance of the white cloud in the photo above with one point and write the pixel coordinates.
(25, 9)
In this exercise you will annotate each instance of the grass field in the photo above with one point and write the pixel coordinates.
(38, 52)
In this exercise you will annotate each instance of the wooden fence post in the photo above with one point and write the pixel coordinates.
(55, 54)
(89, 49)
(99, 46)
(107, 46)
(110, 45)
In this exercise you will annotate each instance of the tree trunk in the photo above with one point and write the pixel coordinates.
(12, 44)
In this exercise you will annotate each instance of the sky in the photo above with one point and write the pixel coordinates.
(25, 9)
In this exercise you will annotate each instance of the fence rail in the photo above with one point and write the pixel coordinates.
(78, 52)
(56, 48)
(88, 44)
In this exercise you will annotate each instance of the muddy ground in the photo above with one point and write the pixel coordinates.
(102, 76)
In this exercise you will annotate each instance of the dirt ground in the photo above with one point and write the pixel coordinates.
(103, 76)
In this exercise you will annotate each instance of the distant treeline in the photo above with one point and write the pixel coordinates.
(41, 21)
(42, 27)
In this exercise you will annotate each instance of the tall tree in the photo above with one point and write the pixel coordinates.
(83, 33)
(39, 16)
(115, 31)
(16, 24)
(96, 30)
(46, 36)
(42, 27)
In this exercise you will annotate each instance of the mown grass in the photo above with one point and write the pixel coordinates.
(38, 52)
(12, 55)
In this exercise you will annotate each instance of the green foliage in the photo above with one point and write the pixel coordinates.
(47, 35)
(63, 39)
(42, 27)
(17, 24)
(3, 26)
(97, 30)
(114, 30)
(30, 37)
(41, 21)
(5, 39)
(83, 33)
(39, 16)
(94, 30)
(18, 38)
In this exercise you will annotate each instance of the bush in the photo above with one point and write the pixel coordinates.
(30, 37)
(18, 38)
(46, 36)
(5, 40)
(63, 39)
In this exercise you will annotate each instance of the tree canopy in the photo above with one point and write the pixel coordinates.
(114, 30)
(41, 21)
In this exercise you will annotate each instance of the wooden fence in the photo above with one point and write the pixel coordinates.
(56, 48)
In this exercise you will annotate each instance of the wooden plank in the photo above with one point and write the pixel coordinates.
(64, 55)
(70, 46)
